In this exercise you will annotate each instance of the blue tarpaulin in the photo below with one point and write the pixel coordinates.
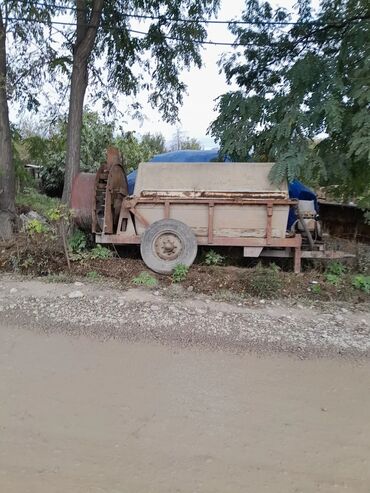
(299, 191)
(296, 189)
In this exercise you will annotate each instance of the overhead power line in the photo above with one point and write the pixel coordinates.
(165, 36)
(214, 43)
(192, 21)
(115, 28)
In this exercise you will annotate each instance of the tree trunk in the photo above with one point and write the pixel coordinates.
(7, 172)
(76, 102)
(86, 35)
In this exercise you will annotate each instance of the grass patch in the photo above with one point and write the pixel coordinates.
(145, 279)
(93, 275)
(265, 281)
(362, 283)
(316, 289)
(61, 277)
(36, 201)
(228, 296)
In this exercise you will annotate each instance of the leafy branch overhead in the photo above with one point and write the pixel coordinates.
(304, 93)
(22, 73)
(32, 146)
(125, 59)
(92, 42)
(105, 45)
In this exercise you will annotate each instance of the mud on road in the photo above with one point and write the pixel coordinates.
(173, 316)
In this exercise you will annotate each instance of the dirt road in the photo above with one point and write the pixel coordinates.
(81, 415)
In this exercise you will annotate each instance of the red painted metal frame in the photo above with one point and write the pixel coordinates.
(287, 242)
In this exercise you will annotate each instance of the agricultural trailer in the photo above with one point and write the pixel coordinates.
(169, 209)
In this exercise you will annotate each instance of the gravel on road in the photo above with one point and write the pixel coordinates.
(176, 317)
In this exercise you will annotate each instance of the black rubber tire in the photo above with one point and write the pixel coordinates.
(182, 232)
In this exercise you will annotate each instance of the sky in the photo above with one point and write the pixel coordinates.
(204, 86)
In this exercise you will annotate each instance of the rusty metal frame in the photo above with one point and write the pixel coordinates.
(114, 159)
(294, 242)
(118, 239)
(131, 202)
(207, 194)
(139, 217)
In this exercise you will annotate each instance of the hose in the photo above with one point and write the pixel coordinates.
(305, 228)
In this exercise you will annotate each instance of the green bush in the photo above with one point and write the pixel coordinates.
(334, 273)
(362, 283)
(180, 273)
(49, 152)
(145, 279)
(214, 258)
(265, 282)
(100, 252)
(36, 227)
(316, 289)
(77, 241)
(333, 279)
(336, 268)
(97, 253)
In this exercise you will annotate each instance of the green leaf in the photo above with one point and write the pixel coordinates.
(303, 94)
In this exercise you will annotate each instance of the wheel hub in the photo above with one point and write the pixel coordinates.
(168, 246)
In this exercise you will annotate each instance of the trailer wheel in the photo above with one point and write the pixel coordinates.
(167, 243)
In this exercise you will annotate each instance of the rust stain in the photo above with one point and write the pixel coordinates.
(179, 194)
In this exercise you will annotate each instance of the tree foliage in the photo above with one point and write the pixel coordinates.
(20, 158)
(180, 142)
(153, 61)
(122, 60)
(49, 151)
(304, 93)
(154, 142)
(21, 72)
(191, 143)
(30, 51)
(131, 150)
